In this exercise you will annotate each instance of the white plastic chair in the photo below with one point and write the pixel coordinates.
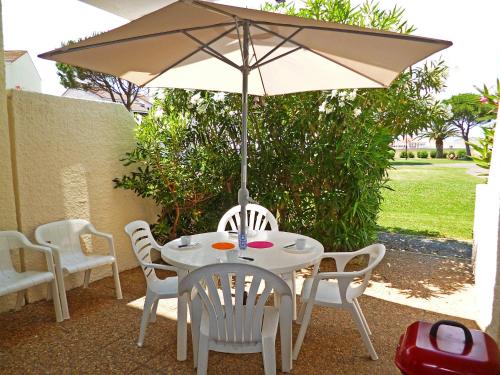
(228, 324)
(258, 218)
(340, 292)
(142, 243)
(12, 281)
(63, 238)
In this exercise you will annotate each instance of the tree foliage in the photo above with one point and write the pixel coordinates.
(317, 160)
(484, 148)
(467, 113)
(118, 89)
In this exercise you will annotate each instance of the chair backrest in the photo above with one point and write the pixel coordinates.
(142, 243)
(258, 218)
(65, 234)
(375, 254)
(234, 320)
(9, 240)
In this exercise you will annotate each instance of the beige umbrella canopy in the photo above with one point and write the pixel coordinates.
(195, 44)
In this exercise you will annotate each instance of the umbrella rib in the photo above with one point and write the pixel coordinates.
(206, 48)
(200, 48)
(321, 55)
(130, 39)
(258, 62)
(363, 31)
(277, 57)
(258, 68)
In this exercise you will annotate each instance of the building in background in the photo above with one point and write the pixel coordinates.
(20, 72)
(140, 106)
(417, 143)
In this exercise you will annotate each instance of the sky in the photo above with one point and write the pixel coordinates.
(473, 60)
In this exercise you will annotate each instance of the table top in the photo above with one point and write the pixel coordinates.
(276, 259)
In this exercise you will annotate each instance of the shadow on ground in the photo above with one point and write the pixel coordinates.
(429, 277)
(425, 245)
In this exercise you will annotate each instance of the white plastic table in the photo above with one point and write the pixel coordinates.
(275, 259)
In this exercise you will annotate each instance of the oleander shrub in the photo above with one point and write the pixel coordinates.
(433, 154)
(411, 155)
(422, 154)
(403, 155)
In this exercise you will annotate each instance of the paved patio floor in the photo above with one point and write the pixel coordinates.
(100, 337)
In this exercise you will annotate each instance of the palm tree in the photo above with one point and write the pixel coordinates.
(438, 131)
(439, 128)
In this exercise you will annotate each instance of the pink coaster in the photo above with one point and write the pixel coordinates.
(260, 244)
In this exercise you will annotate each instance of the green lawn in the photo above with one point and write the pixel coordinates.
(430, 200)
(416, 161)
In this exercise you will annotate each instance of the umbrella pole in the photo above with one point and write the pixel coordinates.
(243, 192)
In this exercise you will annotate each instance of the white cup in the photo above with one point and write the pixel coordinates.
(300, 243)
(232, 255)
(185, 240)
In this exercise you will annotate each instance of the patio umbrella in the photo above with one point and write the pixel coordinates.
(195, 44)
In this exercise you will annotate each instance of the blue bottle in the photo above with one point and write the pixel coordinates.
(242, 241)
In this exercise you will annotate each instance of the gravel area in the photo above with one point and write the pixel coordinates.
(425, 245)
(100, 337)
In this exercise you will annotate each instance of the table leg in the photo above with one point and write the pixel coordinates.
(182, 305)
(290, 280)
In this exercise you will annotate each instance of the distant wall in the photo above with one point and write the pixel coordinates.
(65, 154)
(22, 74)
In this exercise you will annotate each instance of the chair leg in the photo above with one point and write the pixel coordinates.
(202, 355)
(152, 319)
(49, 291)
(146, 311)
(20, 299)
(301, 313)
(303, 328)
(116, 276)
(358, 307)
(195, 315)
(276, 300)
(86, 278)
(269, 355)
(363, 332)
(62, 292)
(57, 302)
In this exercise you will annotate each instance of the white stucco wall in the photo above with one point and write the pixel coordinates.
(7, 200)
(22, 73)
(66, 153)
(487, 247)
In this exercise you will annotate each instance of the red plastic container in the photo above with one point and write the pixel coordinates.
(446, 348)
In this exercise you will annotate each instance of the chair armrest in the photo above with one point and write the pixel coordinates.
(101, 234)
(46, 250)
(53, 248)
(341, 259)
(339, 275)
(109, 237)
(42, 249)
(160, 267)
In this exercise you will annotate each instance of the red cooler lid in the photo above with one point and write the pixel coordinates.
(446, 347)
